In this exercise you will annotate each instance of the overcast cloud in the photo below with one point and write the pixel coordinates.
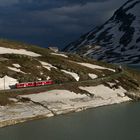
(52, 22)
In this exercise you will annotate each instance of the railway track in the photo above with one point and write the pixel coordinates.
(101, 79)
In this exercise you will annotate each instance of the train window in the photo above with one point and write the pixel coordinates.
(30, 84)
(21, 85)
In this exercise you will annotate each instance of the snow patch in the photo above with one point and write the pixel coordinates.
(111, 84)
(92, 66)
(16, 69)
(48, 78)
(16, 65)
(16, 51)
(21, 112)
(54, 95)
(13, 99)
(74, 75)
(107, 93)
(47, 65)
(92, 76)
(60, 54)
(6, 82)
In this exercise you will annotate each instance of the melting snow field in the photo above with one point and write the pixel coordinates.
(63, 101)
(55, 102)
(20, 112)
(16, 51)
(106, 93)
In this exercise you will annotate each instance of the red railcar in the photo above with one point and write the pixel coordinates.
(23, 85)
(34, 84)
(43, 83)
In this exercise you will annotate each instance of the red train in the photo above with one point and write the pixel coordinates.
(34, 84)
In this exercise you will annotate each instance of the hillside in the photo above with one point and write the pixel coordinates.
(25, 63)
(79, 83)
(116, 41)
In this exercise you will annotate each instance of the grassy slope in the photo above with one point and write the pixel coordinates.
(31, 65)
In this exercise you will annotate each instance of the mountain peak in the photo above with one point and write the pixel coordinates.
(118, 38)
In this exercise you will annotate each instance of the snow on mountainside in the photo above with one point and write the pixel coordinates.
(116, 41)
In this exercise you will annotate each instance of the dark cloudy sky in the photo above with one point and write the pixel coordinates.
(52, 22)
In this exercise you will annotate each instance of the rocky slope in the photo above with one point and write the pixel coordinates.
(117, 40)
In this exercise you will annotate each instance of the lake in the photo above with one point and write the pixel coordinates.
(115, 122)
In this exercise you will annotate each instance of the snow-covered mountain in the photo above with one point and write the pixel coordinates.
(117, 40)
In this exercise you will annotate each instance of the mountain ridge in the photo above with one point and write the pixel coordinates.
(116, 41)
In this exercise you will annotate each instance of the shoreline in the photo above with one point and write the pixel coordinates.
(61, 102)
(45, 116)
